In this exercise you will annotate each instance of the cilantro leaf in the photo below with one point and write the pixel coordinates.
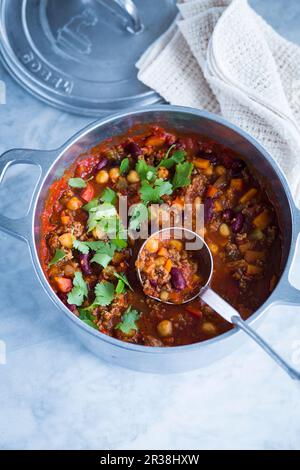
(105, 213)
(77, 183)
(145, 171)
(86, 316)
(109, 196)
(79, 291)
(128, 322)
(177, 157)
(121, 288)
(91, 205)
(153, 194)
(123, 278)
(139, 214)
(124, 167)
(58, 256)
(104, 292)
(182, 175)
(81, 246)
(101, 258)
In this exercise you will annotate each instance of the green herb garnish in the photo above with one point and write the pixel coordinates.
(153, 193)
(79, 291)
(182, 175)
(128, 322)
(87, 317)
(145, 171)
(124, 167)
(58, 256)
(138, 215)
(104, 292)
(177, 157)
(122, 283)
(109, 196)
(77, 183)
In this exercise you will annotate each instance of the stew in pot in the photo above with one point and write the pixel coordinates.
(88, 249)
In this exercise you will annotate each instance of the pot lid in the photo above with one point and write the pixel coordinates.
(80, 55)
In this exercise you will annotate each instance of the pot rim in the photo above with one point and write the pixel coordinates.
(271, 300)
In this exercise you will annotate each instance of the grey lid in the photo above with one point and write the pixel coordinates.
(80, 55)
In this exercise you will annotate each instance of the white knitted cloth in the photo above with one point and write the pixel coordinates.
(223, 57)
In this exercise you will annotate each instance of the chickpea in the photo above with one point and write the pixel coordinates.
(66, 240)
(163, 173)
(133, 177)
(74, 204)
(164, 295)
(102, 177)
(69, 270)
(220, 170)
(209, 328)
(224, 230)
(114, 174)
(165, 328)
(152, 245)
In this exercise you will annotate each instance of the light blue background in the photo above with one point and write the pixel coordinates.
(55, 394)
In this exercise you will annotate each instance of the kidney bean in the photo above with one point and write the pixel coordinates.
(153, 283)
(177, 279)
(208, 209)
(133, 149)
(84, 261)
(227, 215)
(237, 223)
(237, 167)
(102, 164)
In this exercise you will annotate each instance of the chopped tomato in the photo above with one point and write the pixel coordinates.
(196, 311)
(64, 284)
(88, 193)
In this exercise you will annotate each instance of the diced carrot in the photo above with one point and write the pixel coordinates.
(201, 163)
(236, 184)
(163, 252)
(168, 265)
(88, 193)
(248, 195)
(179, 201)
(194, 311)
(252, 269)
(252, 256)
(64, 284)
(211, 191)
(262, 220)
(156, 141)
(218, 206)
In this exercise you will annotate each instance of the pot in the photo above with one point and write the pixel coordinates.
(52, 165)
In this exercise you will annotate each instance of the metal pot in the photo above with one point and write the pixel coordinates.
(52, 165)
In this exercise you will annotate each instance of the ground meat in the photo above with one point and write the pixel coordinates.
(197, 188)
(152, 341)
(53, 241)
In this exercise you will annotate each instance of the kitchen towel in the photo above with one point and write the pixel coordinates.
(223, 57)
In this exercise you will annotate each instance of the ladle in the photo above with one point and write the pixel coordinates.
(195, 242)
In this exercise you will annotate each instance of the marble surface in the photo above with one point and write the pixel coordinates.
(56, 395)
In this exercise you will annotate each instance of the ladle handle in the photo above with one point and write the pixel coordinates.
(230, 314)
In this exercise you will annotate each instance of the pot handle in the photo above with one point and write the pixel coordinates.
(288, 294)
(20, 228)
